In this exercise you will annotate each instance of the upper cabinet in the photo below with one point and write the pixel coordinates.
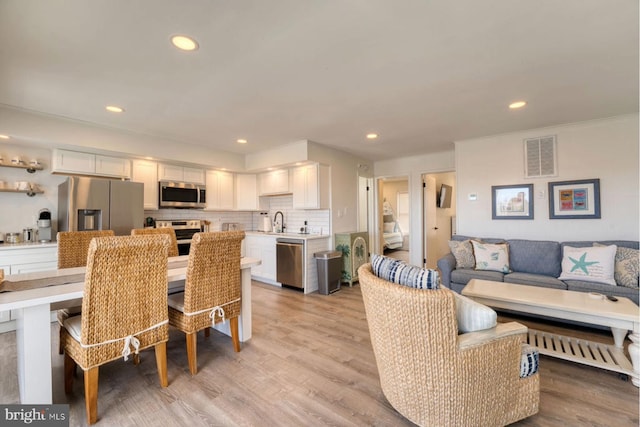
(311, 184)
(274, 182)
(219, 190)
(146, 172)
(74, 162)
(246, 192)
(181, 174)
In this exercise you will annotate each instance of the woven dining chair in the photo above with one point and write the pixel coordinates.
(212, 292)
(435, 377)
(73, 247)
(124, 310)
(173, 247)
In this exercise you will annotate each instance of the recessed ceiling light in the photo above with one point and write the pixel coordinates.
(241, 141)
(184, 43)
(517, 104)
(114, 108)
(4, 136)
(372, 136)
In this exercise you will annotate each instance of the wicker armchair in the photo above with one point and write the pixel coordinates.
(173, 247)
(212, 291)
(124, 308)
(73, 247)
(435, 377)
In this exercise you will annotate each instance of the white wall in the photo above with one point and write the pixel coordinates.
(17, 210)
(606, 149)
(344, 184)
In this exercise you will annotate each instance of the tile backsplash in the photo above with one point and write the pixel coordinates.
(318, 221)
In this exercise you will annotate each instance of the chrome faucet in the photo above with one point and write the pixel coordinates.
(275, 222)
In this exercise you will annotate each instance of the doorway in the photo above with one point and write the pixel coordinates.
(394, 207)
(439, 215)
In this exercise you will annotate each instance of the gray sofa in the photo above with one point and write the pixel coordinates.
(533, 262)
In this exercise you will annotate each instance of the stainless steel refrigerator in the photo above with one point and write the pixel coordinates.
(100, 204)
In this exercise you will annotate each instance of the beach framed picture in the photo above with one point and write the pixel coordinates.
(512, 201)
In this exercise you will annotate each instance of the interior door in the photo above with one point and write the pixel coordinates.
(430, 221)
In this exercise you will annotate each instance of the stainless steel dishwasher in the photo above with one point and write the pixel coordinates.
(290, 262)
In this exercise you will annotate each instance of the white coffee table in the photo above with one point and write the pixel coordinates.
(621, 316)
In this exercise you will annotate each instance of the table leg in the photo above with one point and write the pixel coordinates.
(619, 336)
(33, 342)
(634, 353)
(244, 320)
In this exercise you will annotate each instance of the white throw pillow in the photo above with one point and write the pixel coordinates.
(389, 227)
(494, 257)
(473, 316)
(591, 264)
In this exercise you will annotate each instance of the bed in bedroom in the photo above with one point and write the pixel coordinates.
(391, 233)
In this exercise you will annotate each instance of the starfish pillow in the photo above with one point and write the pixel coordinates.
(590, 264)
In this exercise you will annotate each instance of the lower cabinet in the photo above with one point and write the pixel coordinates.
(264, 249)
(25, 259)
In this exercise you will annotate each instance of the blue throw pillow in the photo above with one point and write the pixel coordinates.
(396, 271)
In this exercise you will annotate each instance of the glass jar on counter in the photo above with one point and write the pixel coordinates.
(12, 238)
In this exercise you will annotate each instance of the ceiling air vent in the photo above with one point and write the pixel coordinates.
(540, 156)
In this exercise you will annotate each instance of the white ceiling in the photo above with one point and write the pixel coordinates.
(420, 73)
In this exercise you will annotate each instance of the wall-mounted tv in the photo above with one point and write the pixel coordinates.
(444, 198)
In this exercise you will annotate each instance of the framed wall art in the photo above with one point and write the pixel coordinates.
(512, 201)
(574, 199)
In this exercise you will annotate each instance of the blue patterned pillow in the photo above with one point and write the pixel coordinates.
(396, 271)
(529, 361)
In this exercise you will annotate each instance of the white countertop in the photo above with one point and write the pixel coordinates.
(13, 246)
(288, 235)
(31, 245)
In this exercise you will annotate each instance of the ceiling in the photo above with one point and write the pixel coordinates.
(420, 73)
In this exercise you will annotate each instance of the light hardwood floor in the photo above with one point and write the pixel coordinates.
(309, 363)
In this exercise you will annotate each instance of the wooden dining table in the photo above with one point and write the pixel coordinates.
(32, 310)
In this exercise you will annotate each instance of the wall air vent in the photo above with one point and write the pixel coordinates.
(540, 157)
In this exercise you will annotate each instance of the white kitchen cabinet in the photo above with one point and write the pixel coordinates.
(25, 258)
(5, 316)
(219, 190)
(113, 166)
(194, 175)
(311, 184)
(264, 249)
(246, 192)
(168, 172)
(32, 267)
(274, 182)
(146, 172)
(74, 162)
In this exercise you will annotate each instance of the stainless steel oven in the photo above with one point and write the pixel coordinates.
(185, 229)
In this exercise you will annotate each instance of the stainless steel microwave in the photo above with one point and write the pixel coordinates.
(182, 195)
